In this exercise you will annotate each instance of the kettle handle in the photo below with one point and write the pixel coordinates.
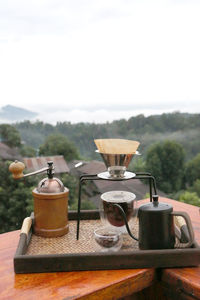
(189, 226)
(125, 221)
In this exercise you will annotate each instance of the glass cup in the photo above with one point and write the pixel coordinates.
(107, 239)
(111, 215)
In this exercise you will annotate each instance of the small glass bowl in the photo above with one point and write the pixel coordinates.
(108, 239)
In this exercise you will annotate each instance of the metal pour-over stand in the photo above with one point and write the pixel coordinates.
(122, 160)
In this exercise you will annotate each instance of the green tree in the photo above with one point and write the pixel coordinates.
(10, 135)
(193, 170)
(190, 198)
(27, 151)
(183, 128)
(166, 162)
(85, 205)
(71, 182)
(16, 199)
(58, 144)
(137, 164)
(196, 187)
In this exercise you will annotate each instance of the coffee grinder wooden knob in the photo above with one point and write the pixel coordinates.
(17, 168)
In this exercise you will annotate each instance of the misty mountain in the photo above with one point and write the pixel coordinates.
(14, 113)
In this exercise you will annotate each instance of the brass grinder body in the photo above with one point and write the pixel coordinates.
(50, 201)
(51, 213)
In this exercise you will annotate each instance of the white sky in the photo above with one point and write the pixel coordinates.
(100, 59)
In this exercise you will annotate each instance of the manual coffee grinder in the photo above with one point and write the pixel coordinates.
(117, 155)
(50, 201)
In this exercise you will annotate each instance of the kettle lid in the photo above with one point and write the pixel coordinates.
(156, 206)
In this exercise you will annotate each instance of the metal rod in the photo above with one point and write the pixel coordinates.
(148, 177)
(82, 178)
(88, 176)
(143, 173)
(79, 209)
(150, 189)
(154, 184)
(37, 172)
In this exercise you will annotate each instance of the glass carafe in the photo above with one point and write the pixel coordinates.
(111, 215)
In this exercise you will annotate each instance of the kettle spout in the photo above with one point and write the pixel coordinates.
(125, 221)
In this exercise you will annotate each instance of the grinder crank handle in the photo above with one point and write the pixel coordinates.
(189, 226)
(125, 220)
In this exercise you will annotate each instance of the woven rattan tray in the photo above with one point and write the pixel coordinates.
(37, 254)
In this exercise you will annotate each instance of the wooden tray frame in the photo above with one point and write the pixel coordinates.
(99, 260)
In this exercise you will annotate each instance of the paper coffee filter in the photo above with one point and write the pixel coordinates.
(116, 146)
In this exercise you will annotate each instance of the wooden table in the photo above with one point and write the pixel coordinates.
(184, 281)
(108, 284)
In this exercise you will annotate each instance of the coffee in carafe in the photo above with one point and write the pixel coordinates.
(111, 214)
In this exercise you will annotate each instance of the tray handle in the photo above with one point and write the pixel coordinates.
(26, 226)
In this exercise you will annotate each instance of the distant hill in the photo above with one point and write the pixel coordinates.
(14, 113)
(183, 128)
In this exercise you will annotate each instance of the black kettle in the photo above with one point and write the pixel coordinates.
(156, 226)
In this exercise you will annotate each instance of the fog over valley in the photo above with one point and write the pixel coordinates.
(90, 114)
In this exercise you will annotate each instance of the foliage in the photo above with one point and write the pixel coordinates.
(27, 151)
(196, 187)
(190, 198)
(162, 139)
(10, 135)
(179, 131)
(180, 127)
(85, 204)
(193, 170)
(16, 199)
(71, 182)
(166, 163)
(58, 144)
(137, 164)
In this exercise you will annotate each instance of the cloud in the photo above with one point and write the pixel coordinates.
(27, 18)
(109, 114)
(99, 55)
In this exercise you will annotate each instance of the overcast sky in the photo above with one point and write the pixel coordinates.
(100, 60)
